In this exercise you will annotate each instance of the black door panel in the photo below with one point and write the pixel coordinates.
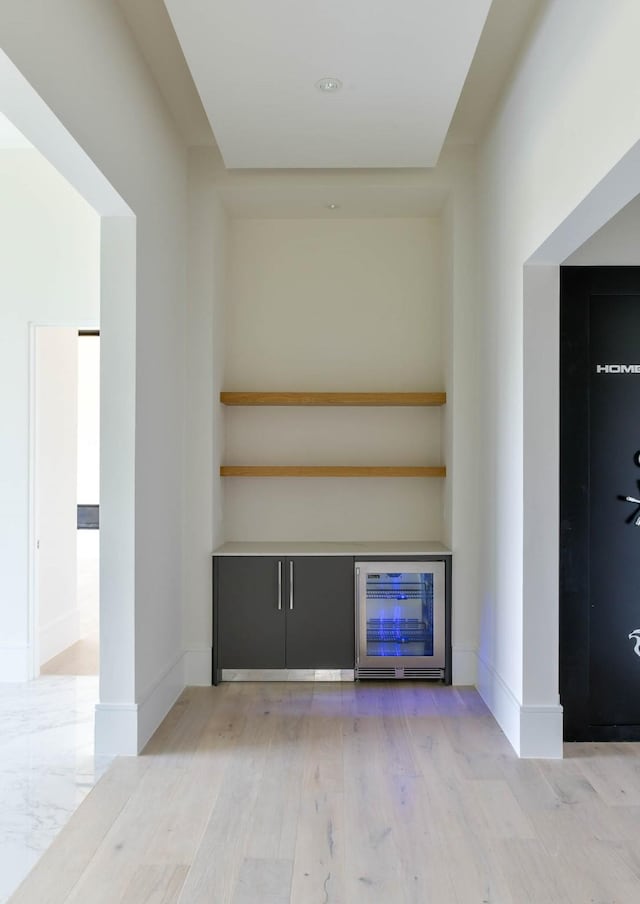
(599, 541)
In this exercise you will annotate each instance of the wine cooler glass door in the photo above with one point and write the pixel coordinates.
(401, 610)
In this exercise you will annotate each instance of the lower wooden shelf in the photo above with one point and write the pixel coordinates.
(329, 471)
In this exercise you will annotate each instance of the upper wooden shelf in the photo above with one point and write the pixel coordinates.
(379, 399)
(329, 471)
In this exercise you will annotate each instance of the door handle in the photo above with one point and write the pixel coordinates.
(290, 586)
(279, 585)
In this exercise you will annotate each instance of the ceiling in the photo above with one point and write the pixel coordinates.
(305, 192)
(402, 66)
(503, 35)
(359, 192)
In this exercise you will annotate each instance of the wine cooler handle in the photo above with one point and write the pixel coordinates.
(290, 585)
(279, 585)
(356, 581)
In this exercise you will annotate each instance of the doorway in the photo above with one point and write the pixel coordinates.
(66, 499)
(599, 507)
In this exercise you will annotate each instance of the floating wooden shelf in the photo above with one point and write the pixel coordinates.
(331, 471)
(380, 399)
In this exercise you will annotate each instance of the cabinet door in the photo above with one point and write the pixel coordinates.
(320, 626)
(251, 626)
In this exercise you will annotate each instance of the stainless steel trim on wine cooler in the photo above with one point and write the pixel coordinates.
(287, 675)
(356, 580)
(393, 673)
(405, 637)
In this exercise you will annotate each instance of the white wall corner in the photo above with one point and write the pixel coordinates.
(541, 732)
(15, 663)
(464, 666)
(116, 729)
(197, 666)
(123, 729)
(156, 702)
(504, 705)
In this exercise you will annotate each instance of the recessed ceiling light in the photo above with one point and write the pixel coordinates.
(333, 206)
(329, 85)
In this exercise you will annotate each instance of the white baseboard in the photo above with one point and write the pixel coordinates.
(59, 634)
(158, 699)
(125, 728)
(541, 729)
(532, 731)
(464, 666)
(116, 729)
(197, 666)
(15, 663)
(504, 706)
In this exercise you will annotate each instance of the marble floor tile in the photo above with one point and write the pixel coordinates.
(47, 766)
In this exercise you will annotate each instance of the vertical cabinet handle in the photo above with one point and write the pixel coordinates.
(356, 599)
(279, 585)
(290, 585)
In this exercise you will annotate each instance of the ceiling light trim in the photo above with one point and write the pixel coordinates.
(328, 85)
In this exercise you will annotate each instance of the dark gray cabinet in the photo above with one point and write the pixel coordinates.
(275, 613)
(250, 612)
(320, 619)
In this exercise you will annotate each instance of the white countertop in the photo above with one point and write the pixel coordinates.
(355, 548)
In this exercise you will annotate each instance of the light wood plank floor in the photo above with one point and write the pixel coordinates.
(399, 793)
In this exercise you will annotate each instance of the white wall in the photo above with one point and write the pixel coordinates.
(344, 304)
(49, 241)
(204, 439)
(567, 121)
(462, 416)
(56, 429)
(97, 85)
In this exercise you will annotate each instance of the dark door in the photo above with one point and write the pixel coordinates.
(599, 536)
(251, 614)
(320, 612)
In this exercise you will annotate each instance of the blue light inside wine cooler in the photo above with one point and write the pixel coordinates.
(395, 630)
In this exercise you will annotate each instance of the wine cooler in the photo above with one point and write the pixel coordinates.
(402, 624)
